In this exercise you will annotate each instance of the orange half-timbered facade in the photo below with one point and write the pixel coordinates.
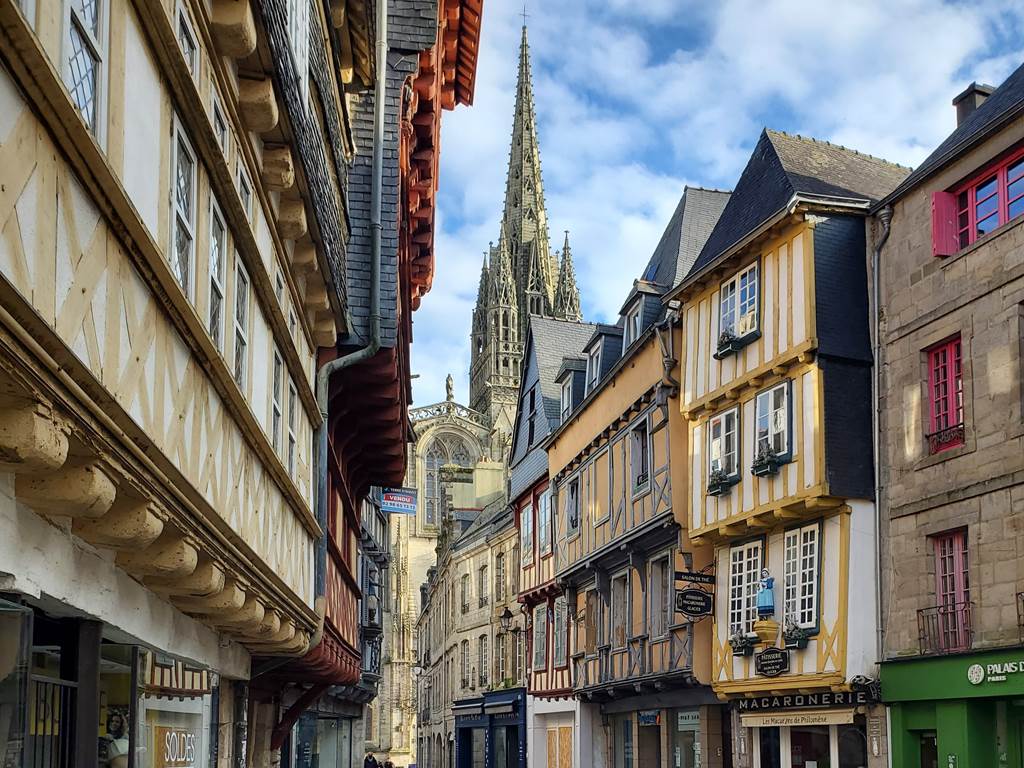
(776, 391)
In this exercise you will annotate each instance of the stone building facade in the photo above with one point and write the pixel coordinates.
(950, 414)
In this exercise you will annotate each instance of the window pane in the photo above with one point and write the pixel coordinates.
(1017, 206)
(987, 207)
(1015, 171)
(985, 189)
(83, 66)
(182, 254)
(183, 183)
(88, 10)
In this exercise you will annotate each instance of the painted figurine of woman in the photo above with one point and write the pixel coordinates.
(766, 595)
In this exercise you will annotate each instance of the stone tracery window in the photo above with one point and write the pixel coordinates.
(446, 448)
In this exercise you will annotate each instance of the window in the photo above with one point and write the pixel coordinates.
(800, 566)
(976, 208)
(218, 250)
(291, 327)
(499, 576)
(482, 585)
(723, 444)
(244, 191)
(590, 622)
(241, 327)
(184, 214)
(293, 418)
(517, 655)
(631, 330)
(544, 523)
(275, 404)
(661, 597)
(619, 610)
(559, 639)
(952, 590)
(945, 396)
(187, 43)
(526, 533)
(744, 578)
(465, 593)
(639, 456)
(85, 50)
(593, 367)
(566, 399)
(500, 657)
(220, 125)
(279, 287)
(737, 308)
(483, 661)
(772, 420)
(540, 637)
(464, 658)
(572, 506)
(531, 415)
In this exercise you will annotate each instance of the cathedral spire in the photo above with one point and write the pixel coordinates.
(567, 294)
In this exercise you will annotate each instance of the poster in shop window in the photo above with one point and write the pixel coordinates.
(175, 747)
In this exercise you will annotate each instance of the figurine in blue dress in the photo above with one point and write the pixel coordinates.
(766, 596)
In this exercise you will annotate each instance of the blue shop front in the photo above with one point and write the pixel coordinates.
(490, 730)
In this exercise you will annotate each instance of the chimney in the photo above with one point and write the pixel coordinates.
(972, 97)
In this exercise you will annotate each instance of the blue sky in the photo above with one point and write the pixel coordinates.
(636, 99)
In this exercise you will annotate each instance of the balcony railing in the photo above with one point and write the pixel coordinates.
(483, 601)
(465, 607)
(945, 438)
(945, 628)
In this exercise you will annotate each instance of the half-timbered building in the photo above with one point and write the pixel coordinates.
(552, 711)
(620, 521)
(776, 390)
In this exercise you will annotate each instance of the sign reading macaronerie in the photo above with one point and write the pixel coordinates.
(804, 701)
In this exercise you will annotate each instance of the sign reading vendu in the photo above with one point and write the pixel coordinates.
(399, 500)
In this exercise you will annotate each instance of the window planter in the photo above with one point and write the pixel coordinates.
(729, 343)
(742, 645)
(794, 636)
(720, 483)
(767, 462)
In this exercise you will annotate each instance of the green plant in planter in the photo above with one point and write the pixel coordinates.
(766, 462)
(742, 644)
(795, 636)
(728, 344)
(719, 482)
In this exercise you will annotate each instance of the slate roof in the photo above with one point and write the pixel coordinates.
(687, 231)
(783, 165)
(554, 340)
(1004, 105)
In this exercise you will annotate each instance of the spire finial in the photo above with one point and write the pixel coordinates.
(525, 14)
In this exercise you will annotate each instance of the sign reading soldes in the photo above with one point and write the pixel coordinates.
(174, 747)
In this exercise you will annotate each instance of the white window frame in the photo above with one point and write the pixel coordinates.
(483, 585)
(640, 475)
(802, 574)
(499, 576)
(572, 504)
(544, 532)
(464, 648)
(776, 420)
(739, 303)
(565, 399)
(559, 633)
(97, 45)
(661, 615)
(718, 462)
(180, 217)
(245, 192)
(220, 124)
(593, 367)
(216, 324)
(618, 613)
(240, 312)
(276, 404)
(526, 534)
(483, 661)
(186, 30)
(631, 326)
(540, 638)
(293, 428)
(501, 656)
(745, 563)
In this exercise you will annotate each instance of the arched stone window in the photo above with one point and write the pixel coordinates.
(446, 448)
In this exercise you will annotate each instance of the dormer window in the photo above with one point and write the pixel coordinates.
(566, 402)
(593, 367)
(738, 312)
(631, 330)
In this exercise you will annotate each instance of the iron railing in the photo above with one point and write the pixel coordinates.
(945, 628)
(945, 438)
(52, 722)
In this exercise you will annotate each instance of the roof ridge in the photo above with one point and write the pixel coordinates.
(707, 189)
(828, 143)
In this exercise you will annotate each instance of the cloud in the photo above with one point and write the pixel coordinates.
(636, 99)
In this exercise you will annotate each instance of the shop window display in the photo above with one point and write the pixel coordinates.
(15, 634)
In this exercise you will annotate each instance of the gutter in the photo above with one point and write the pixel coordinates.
(885, 216)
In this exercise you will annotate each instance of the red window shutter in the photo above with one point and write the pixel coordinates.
(944, 234)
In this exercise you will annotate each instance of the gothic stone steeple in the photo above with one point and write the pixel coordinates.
(567, 295)
(533, 272)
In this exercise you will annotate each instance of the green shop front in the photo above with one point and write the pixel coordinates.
(957, 711)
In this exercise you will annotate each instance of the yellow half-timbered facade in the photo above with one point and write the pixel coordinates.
(776, 392)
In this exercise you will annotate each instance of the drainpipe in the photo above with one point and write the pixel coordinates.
(885, 217)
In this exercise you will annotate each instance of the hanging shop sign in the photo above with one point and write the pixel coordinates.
(695, 603)
(398, 500)
(771, 662)
(696, 577)
(822, 700)
(806, 717)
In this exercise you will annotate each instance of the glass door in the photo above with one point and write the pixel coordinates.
(929, 751)
(649, 743)
(684, 726)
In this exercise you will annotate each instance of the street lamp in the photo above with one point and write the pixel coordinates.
(506, 619)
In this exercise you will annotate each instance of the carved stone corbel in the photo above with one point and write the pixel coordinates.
(316, 299)
(325, 331)
(269, 627)
(78, 489)
(228, 599)
(304, 256)
(257, 104)
(170, 556)
(291, 218)
(32, 438)
(130, 524)
(278, 168)
(233, 28)
(246, 619)
(285, 634)
(207, 579)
